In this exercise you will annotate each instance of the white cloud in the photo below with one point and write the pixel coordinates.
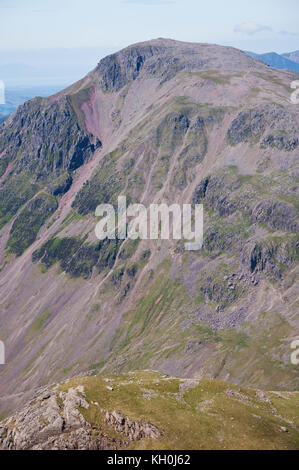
(251, 28)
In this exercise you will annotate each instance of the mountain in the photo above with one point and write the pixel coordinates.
(277, 61)
(293, 56)
(16, 96)
(3, 118)
(147, 410)
(160, 121)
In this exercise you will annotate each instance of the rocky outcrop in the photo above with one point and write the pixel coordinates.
(53, 420)
(271, 255)
(229, 193)
(218, 194)
(134, 430)
(117, 70)
(278, 215)
(46, 139)
(278, 125)
(61, 184)
(47, 415)
(81, 439)
(75, 257)
(249, 125)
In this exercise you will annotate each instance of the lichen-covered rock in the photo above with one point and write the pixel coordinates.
(48, 414)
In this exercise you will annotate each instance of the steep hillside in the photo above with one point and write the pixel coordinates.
(147, 410)
(161, 121)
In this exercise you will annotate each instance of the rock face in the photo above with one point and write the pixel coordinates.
(48, 138)
(277, 214)
(158, 122)
(270, 255)
(117, 70)
(47, 415)
(277, 127)
(134, 430)
(52, 420)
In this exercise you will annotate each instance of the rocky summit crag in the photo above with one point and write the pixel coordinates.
(161, 121)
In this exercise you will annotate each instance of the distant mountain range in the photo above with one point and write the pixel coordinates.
(294, 56)
(289, 60)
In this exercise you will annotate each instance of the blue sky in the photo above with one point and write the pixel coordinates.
(80, 32)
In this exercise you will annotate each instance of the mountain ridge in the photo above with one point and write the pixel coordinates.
(199, 123)
(278, 61)
(294, 56)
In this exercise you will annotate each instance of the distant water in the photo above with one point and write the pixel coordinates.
(14, 96)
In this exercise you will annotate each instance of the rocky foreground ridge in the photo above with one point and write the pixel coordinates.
(52, 420)
(152, 411)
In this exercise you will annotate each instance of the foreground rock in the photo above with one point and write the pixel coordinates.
(52, 420)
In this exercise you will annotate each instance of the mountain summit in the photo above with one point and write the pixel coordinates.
(160, 121)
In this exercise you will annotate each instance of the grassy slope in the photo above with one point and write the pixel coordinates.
(209, 415)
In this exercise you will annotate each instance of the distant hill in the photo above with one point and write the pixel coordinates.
(278, 61)
(293, 56)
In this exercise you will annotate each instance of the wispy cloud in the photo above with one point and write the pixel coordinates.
(254, 28)
(251, 28)
(287, 33)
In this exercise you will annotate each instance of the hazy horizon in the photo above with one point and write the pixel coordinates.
(60, 66)
(54, 42)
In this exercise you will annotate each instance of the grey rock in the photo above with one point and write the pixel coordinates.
(270, 119)
(53, 420)
(47, 139)
(278, 215)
